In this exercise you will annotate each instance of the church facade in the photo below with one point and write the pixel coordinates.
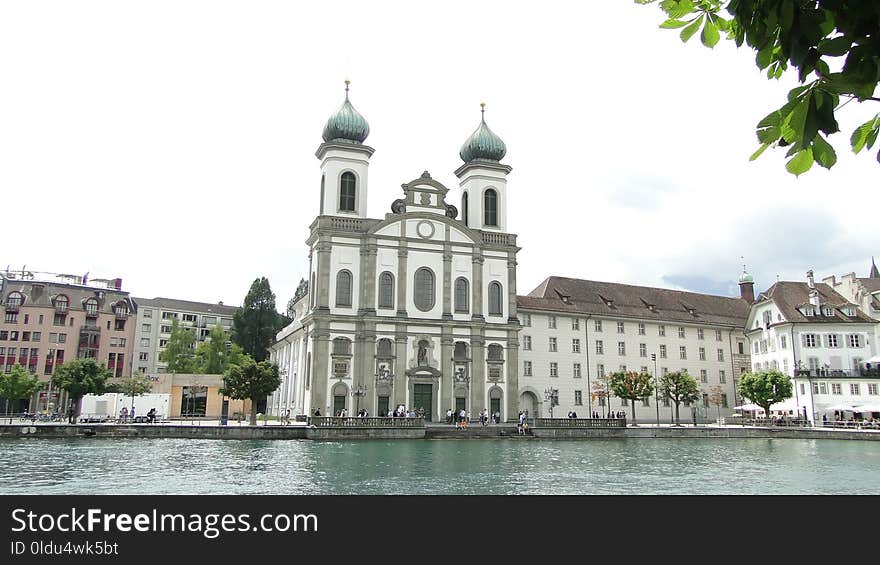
(416, 309)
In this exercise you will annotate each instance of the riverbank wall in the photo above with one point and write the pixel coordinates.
(50, 431)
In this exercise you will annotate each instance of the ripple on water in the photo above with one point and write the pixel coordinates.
(627, 466)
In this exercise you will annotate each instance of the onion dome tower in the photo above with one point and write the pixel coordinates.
(344, 162)
(483, 179)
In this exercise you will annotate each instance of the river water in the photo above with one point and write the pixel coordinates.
(470, 467)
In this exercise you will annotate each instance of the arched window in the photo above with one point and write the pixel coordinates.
(343, 288)
(490, 208)
(15, 299)
(91, 307)
(464, 207)
(61, 302)
(386, 290)
(461, 295)
(495, 352)
(384, 348)
(460, 353)
(424, 289)
(347, 184)
(341, 346)
(321, 203)
(495, 308)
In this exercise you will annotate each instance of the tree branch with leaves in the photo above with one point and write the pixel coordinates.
(811, 37)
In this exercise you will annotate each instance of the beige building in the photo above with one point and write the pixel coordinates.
(198, 396)
(49, 319)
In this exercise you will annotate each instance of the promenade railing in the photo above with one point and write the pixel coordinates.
(355, 422)
(579, 423)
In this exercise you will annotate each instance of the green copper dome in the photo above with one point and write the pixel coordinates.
(346, 125)
(482, 145)
(746, 278)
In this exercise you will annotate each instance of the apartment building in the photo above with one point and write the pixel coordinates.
(51, 318)
(154, 320)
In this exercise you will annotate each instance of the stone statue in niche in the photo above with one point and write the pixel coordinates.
(423, 354)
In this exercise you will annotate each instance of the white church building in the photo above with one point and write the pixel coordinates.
(417, 308)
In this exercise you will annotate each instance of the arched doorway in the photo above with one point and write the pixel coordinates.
(340, 393)
(495, 403)
(528, 401)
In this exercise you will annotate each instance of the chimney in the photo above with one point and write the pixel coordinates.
(810, 282)
(117, 283)
(220, 303)
(814, 298)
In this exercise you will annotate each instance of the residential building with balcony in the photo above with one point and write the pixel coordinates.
(577, 331)
(49, 319)
(864, 292)
(812, 333)
(154, 320)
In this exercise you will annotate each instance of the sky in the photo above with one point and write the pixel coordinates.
(172, 143)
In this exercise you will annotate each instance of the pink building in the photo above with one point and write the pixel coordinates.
(62, 317)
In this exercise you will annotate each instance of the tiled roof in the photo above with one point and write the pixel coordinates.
(187, 305)
(629, 301)
(789, 295)
(41, 294)
(870, 284)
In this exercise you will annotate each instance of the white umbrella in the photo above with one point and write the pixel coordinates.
(867, 408)
(748, 407)
(785, 405)
(839, 408)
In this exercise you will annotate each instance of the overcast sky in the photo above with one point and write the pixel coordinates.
(171, 143)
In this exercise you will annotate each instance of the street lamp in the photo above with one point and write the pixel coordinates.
(359, 391)
(656, 388)
(552, 396)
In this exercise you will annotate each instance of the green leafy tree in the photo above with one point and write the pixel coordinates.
(215, 354)
(832, 44)
(257, 322)
(252, 380)
(80, 377)
(765, 388)
(18, 384)
(678, 387)
(179, 353)
(301, 291)
(632, 386)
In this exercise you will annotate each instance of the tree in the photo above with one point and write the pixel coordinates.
(810, 36)
(679, 387)
(257, 322)
(716, 398)
(602, 390)
(80, 377)
(132, 386)
(251, 380)
(179, 352)
(301, 290)
(765, 388)
(632, 386)
(215, 354)
(18, 384)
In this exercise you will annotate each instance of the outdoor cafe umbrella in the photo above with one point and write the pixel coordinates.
(839, 408)
(748, 407)
(867, 408)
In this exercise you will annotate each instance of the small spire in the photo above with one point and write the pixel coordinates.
(874, 274)
(347, 82)
(483, 112)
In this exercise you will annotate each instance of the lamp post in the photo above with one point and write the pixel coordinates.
(359, 391)
(656, 388)
(552, 396)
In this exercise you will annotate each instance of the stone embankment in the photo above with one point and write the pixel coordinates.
(501, 431)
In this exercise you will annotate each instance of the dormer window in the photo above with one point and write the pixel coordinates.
(827, 311)
(121, 310)
(849, 311)
(808, 311)
(14, 301)
(608, 302)
(91, 307)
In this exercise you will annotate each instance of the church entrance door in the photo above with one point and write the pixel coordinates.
(423, 397)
